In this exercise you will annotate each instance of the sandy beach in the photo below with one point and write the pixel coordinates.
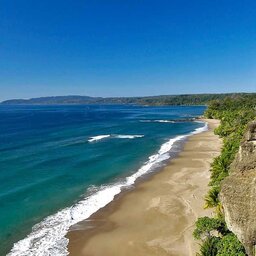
(158, 216)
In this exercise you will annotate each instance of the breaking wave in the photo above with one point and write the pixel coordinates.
(114, 136)
(157, 121)
(99, 137)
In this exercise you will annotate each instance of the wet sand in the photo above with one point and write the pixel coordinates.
(158, 216)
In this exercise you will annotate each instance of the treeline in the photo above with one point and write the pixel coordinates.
(234, 114)
(185, 99)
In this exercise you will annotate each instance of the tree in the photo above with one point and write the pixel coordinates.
(211, 199)
(205, 226)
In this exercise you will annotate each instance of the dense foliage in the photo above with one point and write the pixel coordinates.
(185, 99)
(205, 226)
(234, 114)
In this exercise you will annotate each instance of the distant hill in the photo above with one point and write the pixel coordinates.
(53, 100)
(185, 99)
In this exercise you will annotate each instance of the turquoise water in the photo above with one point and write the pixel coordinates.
(52, 158)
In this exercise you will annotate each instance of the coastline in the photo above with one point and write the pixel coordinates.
(157, 217)
(49, 235)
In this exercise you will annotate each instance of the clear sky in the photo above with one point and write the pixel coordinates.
(126, 47)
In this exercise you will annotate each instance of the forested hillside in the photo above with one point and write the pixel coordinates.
(185, 99)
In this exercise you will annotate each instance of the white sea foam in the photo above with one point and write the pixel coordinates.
(164, 121)
(201, 129)
(48, 237)
(99, 137)
(114, 136)
(126, 136)
(157, 121)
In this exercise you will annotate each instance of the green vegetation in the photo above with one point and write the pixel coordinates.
(234, 114)
(230, 246)
(205, 226)
(227, 245)
(185, 99)
(209, 247)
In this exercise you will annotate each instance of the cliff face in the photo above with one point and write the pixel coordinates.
(238, 193)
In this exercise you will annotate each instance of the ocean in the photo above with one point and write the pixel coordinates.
(59, 164)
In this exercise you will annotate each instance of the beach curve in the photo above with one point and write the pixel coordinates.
(157, 217)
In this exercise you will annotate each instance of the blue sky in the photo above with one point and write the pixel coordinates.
(126, 48)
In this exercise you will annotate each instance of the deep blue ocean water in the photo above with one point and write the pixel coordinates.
(54, 157)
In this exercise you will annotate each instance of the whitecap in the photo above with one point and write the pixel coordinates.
(157, 121)
(126, 136)
(98, 137)
(164, 121)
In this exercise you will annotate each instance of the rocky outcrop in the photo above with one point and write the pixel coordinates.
(238, 192)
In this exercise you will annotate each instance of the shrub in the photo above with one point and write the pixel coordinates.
(209, 247)
(229, 245)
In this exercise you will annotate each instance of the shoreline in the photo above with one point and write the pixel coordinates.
(157, 216)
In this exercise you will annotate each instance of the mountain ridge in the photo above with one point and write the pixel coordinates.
(182, 99)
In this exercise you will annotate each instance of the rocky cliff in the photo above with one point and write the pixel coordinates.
(238, 192)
